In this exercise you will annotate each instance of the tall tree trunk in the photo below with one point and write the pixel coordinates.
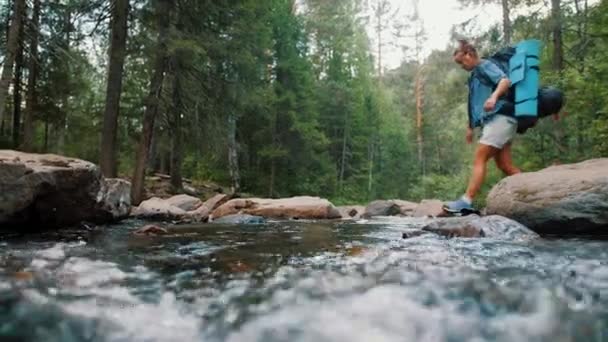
(46, 135)
(32, 98)
(507, 29)
(163, 12)
(273, 170)
(176, 131)
(558, 49)
(274, 142)
(11, 53)
(233, 157)
(379, 33)
(558, 66)
(108, 162)
(17, 87)
(345, 133)
(419, 118)
(61, 128)
(371, 156)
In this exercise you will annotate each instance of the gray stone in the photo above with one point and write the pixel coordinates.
(382, 208)
(473, 226)
(240, 219)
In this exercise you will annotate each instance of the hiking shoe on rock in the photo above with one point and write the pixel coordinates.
(457, 206)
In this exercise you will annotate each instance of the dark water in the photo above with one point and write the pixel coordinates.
(301, 281)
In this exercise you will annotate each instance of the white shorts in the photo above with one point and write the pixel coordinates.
(498, 131)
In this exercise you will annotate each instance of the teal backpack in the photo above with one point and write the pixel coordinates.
(530, 101)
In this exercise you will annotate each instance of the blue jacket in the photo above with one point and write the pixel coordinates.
(479, 92)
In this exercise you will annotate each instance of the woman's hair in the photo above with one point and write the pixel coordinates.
(465, 47)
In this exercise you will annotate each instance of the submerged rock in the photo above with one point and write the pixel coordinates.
(151, 230)
(240, 219)
(473, 226)
(564, 199)
(50, 190)
(285, 208)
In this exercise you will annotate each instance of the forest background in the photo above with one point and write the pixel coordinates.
(281, 97)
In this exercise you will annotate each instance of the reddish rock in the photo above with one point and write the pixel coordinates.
(151, 230)
(286, 208)
(351, 212)
(430, 208)
(185, 202)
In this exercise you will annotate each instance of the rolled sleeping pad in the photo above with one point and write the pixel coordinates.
(524, 74)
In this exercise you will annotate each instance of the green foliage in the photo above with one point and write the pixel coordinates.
(312, 116)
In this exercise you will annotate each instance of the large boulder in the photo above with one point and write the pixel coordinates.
(564, 199)
(45, 191)
(285, 208)
(473, 226)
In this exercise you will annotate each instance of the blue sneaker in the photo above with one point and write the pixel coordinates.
(458, 206)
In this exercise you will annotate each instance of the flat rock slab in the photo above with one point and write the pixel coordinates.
(564, 199)
(285, 208)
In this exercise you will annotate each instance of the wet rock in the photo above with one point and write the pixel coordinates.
(381, 208)
(413, 233)
(564, 199)
(473, 226)
(23, 276)
(240, 219)
(185, 202)
(389, 208)
(430, 208)
(151, 230)
(285, 208)
(116, 198)
(406, 208)
(351, 212)
(46, 190)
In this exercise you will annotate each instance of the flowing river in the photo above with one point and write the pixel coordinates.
(299, 281)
